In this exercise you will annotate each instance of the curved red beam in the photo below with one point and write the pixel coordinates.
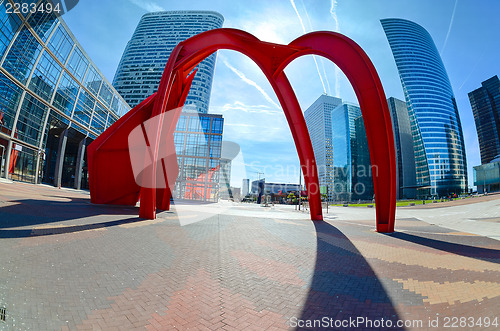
(272, 60)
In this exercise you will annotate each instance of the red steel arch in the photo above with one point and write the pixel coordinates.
(114, 184)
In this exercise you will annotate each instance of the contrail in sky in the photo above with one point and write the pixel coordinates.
(449, 28)
(304, 30)
(320, 58)
(251, 82)
(333, 13)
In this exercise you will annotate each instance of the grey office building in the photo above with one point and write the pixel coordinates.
(485, 103)
(157, 34)
(245, 187)
(319, 124)
(404, 141)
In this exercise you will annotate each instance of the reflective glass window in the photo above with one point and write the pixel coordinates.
(105, 95)
(9, 23)
(93, 80)
(194, 124)
(116, 105)
(30, 121)
(84, 106)
(217, 125)
(44, 78)
(60, 44)
(98, 119)
(181, 124)
(25, 166)
(78, 64)
(66, 94)
(205, 124)
(179, 142)
(22, 55)
(215, 146)
(43, 22)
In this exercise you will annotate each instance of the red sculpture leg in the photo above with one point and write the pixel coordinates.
(303, 143)
(356, 65)
(111, 178)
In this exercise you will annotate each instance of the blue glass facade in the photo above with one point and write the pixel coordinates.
(198, 145)
(53, 100)
(345, 152)
(438, 139)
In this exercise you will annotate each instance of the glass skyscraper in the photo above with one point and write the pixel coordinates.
(53, 100)
(405, 155)
(198, 135)
(141, 66)
(485, 103)
(440, 156)
(319, 124)
(351, 158)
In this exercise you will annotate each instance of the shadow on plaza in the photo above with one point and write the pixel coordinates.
(344, 286)
(479, 253)
(34, 213)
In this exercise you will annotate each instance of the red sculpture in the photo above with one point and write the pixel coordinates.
(112, 178)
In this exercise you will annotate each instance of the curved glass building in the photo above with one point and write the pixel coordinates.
(142, 63)
(438, 139)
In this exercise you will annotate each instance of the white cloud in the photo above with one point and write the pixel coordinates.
(149, 6)
(254, 122)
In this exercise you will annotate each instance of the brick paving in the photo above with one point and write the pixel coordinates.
(66, 264)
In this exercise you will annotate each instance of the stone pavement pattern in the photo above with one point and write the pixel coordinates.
(70, 265)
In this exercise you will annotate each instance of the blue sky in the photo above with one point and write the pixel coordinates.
(466, 32)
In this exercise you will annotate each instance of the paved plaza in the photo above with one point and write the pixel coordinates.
(66, 264)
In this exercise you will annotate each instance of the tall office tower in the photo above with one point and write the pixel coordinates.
(142, 63)
(319, 124)
(139, 74)
(344, 147)
(245, 187)
(404, 143)
(53, 100)
(485, 103)
(440, 159)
